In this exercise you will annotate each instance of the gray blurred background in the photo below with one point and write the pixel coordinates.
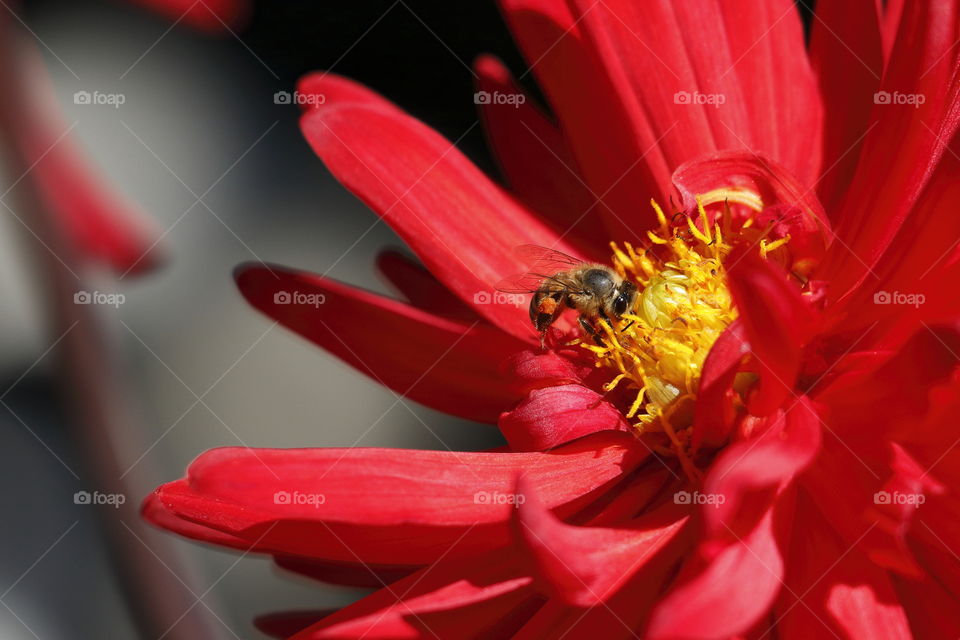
(200, 110)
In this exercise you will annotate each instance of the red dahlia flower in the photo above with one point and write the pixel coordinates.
(763, 446)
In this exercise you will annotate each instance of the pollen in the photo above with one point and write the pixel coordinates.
(658, 350)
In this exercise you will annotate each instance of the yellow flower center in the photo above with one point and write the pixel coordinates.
(658, 350)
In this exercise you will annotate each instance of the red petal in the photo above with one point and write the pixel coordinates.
(748, 473)
(789, 208)
(847, 56)
(623, 616)
(714, 410)
(777, 323)
(216, 16)
(350, 575)
(412, 280)
(443, 363)
(473, 594)
(619, 170)
(729, 593)
(832, 589)
(460, 224)
(917, 263)
(585, 566)
(285, 624)
(538, 369)
(383, 506)
(320, 87)
(535, 160)
(930, 608)
(887, 185)
(97, 219)
(554, 415)
(704, 77)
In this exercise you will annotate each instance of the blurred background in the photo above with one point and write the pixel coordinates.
(201, 146)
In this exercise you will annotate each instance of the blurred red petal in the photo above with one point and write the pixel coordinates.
(102, 225)
(215, 16)
(286, 623)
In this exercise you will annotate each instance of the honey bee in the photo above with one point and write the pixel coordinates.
(558, 281)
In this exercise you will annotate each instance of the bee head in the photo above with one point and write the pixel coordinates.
(626, 297)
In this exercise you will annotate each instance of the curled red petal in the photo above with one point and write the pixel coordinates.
(447, 364)
(730, 592)
(536, 370)
(585, 566)
(789, 208)
(777, 323)
(749, 473)
(552, 416)
(714, 411)
(342, 573)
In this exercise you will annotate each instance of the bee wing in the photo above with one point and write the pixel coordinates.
(544, 264)
(543, 260)
(532, 282)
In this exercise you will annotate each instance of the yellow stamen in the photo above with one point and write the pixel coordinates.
(658, 349)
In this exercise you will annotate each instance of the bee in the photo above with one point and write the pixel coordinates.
(558, 281)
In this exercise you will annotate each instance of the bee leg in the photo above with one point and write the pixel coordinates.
(591, 331)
